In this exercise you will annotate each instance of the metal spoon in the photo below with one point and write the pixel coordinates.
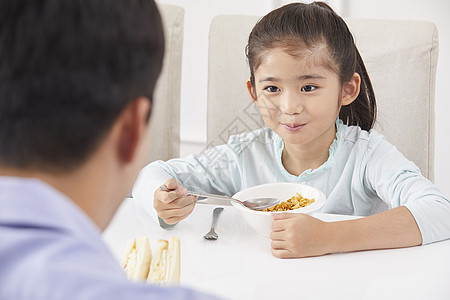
(255, 204)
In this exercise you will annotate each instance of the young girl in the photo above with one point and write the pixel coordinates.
(315, 96)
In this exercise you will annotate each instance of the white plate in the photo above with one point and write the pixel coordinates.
(260, 220)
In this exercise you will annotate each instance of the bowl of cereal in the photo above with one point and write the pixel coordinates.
(294, 197)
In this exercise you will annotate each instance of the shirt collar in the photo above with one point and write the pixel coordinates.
(32, 202)
(311, 173)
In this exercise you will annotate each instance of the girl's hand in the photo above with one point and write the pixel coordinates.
(170, 205)
(299, 235)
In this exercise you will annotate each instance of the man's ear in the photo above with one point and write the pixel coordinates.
(350, 90)
(251, 90)
(132, 123)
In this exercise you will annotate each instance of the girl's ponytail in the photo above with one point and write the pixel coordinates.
(363, 111)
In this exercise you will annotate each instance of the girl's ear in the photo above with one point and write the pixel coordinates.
(350, 90)
(251, 90)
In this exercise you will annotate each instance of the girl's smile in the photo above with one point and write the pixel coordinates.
(293, 127)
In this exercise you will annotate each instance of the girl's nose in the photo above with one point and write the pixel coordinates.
(290, 104)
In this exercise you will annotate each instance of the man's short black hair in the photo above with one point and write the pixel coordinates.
(67, 69)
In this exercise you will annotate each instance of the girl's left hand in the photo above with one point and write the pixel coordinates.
(299, 235)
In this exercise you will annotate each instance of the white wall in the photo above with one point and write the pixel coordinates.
(199, 13)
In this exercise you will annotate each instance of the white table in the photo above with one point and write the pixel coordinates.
(239, 265)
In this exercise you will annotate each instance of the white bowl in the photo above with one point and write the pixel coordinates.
(261, 220)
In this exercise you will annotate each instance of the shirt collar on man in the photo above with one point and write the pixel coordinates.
(23, 199)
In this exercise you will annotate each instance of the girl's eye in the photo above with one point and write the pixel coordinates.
(308, 88)
(272, 89)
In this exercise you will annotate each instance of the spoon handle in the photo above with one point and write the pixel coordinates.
(223, 197)
(203, 196)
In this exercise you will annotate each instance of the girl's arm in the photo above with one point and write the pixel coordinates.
(420, 214)
(213, 171)
(395, 228)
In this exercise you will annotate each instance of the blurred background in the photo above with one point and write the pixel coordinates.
(198, 16)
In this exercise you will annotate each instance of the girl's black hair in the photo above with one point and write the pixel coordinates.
(315, 25)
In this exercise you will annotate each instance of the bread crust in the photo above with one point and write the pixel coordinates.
(137, 258)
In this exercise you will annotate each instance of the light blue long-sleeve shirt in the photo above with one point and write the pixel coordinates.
(363, 175)
(49, 249)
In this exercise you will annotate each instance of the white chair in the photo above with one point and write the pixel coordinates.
(400, 57)
(165, 128)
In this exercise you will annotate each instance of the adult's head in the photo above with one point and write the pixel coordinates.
(68, 68)
(76, 85)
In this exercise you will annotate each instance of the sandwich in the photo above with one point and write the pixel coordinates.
(161, 268)
(165, 265)
(137, 258)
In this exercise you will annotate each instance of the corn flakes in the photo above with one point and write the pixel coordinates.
(295, 202)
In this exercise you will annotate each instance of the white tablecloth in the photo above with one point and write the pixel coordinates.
(239, 265)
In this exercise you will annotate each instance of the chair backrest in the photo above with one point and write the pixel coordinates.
(165, 127)
(400, 57)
